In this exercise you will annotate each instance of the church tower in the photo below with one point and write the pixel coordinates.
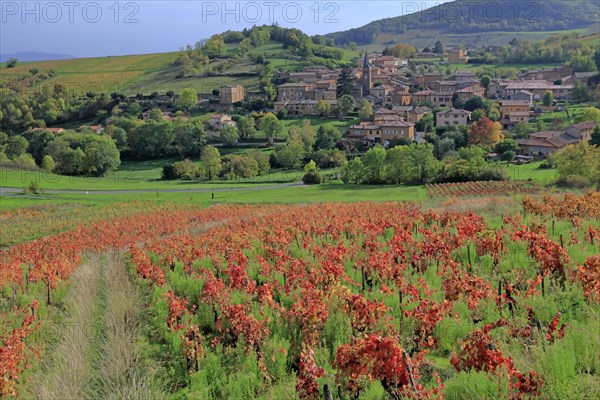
(366, 77)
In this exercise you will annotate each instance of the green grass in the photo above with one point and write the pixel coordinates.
(123, 179)
(574, 111)
(147, 73)
(295, 194)
(531, 172)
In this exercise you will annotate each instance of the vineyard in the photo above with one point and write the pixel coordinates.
(335, 300)
(482, 188)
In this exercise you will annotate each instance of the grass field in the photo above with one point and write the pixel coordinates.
(295, 194)
(147, 73)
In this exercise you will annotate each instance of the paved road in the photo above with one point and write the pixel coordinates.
(6, 191)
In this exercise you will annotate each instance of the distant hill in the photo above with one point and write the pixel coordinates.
(160, 72)
(464, 18)
(34, 56)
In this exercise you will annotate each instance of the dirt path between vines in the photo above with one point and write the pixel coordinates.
(97, 352)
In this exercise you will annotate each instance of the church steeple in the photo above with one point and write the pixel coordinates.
(366, 63)
(366, 76)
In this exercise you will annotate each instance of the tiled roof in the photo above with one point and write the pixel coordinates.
(454, 111)
(585, 125)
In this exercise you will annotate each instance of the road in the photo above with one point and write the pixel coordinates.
(6, 191)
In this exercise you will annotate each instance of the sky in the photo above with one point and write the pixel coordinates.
(103, 28)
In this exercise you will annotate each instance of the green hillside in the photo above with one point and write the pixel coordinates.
(147, 73)
(467, 23)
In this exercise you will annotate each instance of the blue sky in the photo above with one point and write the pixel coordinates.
(101, 28)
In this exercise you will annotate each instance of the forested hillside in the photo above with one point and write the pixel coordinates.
(463, 16)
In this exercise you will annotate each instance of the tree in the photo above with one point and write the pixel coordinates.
(521, 130)
(374, 163)
(262, 159)
(477, 115)
(327, 137)
(48, 163)
(310, 166)
(346, 104)
(189, 137)
(412, 164)
(118, 135)
(444, 146)
(485, 132)
(493, 112)
(246, 128)
(290, 155)
(322, 107)
(485, 81)
(582, 63)
(581, 93)
(438, 49)
(210, 158)
(507, 144)
(307, 135)
(425, 124)
(282, 113)
(579, 159)
(353, 171)
(265, 83)
(597, 58)
(272, 127)
(187, 99)
(330, 158)
(240, 166)
(595, 139)
(11, 62)
(156, 114)
(151, 139)
(83, 154)
(230, 135)
(345, 82)
(508, 156)
(548, 99)
(101, 156)
(589, 114)
(15, 146)
(402, 51)
(365, 112)
(474, 103)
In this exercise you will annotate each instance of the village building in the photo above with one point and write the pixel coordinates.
(453, 117)
(98, 129)
(230, 94)
(416, 114)
(457, 56)
(51, 130)
(441, 99)
(548, 74)
(382, 131)
(541, 144)
(220, 121)
(470, 92)
(522, 95)
(582, 130)
(514, 112)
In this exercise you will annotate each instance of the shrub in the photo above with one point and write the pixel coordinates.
(508, 156)
(25, 161)
(311, 178)
(168, 172)
(574, 182)
(33, 188)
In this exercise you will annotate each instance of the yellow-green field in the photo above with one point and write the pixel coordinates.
(146, 73)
